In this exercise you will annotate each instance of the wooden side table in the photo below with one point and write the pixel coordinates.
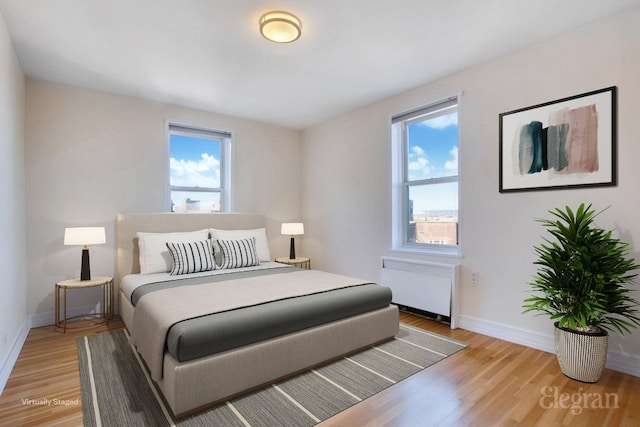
(301, 262)
(105, 282)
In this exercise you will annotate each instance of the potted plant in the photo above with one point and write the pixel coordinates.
(582, 285)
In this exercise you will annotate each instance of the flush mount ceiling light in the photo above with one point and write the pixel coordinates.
(280, 27)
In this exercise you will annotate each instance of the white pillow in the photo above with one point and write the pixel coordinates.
(260, 234)
(154, 254)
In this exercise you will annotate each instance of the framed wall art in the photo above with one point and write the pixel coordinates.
(560, 144)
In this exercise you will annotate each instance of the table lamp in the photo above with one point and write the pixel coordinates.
(84, 236)
(292, 229)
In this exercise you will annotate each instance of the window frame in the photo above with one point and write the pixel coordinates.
(225, 138)
(401, 184)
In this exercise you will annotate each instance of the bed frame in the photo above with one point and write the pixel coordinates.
(190, 386)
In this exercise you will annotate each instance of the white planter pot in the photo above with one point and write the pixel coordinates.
(581, 356)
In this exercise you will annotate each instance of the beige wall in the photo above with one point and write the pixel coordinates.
(347, 174)
(12, 187)
(91, 155)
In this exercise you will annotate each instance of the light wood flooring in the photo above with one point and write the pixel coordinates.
(490, 383)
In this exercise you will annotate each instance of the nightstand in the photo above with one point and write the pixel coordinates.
(107, 300)
(301, 262)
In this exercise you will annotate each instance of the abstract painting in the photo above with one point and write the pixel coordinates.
(567, 143)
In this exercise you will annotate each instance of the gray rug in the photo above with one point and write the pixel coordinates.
(117, 391)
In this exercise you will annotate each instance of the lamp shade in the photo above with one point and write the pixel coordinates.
(84, 236)
(292, 228)
(280, 27)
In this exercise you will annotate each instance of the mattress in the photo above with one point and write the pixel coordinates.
(216, 332)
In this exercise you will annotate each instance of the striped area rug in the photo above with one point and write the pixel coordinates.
(117, 391)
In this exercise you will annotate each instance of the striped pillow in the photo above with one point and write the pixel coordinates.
(192, 257)
(239, 253)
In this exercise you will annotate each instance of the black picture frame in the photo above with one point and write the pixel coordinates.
(562, 144)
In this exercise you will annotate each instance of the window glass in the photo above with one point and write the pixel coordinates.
(197, 201)
(425, 178)
(196, 169)
(433, 214)
(432, 147)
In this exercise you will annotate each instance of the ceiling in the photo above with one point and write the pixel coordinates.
(209, 55)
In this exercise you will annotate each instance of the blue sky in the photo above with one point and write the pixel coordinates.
(433, 147)
(433, 153)
(194, 161)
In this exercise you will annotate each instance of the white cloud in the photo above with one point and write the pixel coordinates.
(452, 165)
(189, 173)
(417, 150)
(418, 161)
(419, 164)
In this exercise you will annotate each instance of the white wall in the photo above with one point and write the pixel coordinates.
(90, 155)
(347, 196)
(12, 213)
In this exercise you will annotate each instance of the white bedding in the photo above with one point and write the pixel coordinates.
(131, 282)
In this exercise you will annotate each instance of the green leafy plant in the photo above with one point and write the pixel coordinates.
(582, 275)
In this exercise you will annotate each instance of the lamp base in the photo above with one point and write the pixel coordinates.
(292, 249)
(85, 271)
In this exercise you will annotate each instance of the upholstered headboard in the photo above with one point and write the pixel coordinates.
(164, 222)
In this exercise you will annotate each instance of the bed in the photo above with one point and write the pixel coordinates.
(207, 336)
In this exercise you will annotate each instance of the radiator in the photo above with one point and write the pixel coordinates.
(428, 286)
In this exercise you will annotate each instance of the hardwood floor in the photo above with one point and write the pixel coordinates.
(497, 383)
(47, 369)
(490, 383)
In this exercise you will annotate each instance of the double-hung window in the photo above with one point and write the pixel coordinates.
(199, 169)
(425, 178)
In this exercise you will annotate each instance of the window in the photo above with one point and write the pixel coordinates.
(425, 178)
(199, 175)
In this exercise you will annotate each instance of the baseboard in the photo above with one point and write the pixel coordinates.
(34, 321)
(48, 318)
(624, 362)
(14, 351)
(616, 360)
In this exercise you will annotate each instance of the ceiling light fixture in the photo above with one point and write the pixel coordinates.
(280, 27)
